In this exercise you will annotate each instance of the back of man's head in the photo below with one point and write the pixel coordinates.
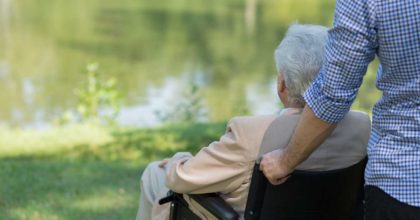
(299, 58)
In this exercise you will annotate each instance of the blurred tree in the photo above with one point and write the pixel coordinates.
(188, 108)
(98, 100)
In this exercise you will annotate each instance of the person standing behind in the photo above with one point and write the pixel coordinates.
(363, 29)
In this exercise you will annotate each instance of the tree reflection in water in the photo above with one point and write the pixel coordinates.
(228, 45)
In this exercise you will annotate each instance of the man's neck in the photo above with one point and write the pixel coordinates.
(293, 105)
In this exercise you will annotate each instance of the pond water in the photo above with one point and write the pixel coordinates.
(156, 50)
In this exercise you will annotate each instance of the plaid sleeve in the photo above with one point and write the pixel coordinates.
(351, 46)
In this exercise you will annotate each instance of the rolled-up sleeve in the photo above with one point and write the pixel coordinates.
(351, 46)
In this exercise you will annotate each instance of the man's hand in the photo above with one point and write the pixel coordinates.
(309, 133)
(272, 167)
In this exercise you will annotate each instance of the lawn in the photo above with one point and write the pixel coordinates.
(85, 171)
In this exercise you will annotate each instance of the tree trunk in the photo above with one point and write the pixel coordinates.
(250, 15)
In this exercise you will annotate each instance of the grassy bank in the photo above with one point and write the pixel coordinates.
(85, 171)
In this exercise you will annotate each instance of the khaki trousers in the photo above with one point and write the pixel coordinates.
(152, 188)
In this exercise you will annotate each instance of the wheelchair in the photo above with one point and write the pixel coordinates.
(306, 195)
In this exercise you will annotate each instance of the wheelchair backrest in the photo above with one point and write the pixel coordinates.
(323, 195)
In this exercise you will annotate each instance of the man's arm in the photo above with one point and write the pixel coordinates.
(215, 168)
(351, 45)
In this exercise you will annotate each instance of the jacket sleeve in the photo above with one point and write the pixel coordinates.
(216, 168)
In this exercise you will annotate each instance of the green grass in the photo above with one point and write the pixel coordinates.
(35, 188)
(93, 174)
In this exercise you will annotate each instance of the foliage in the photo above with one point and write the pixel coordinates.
(368, 94)
(50, 176)
(18, 142)
(98, 100)
(175, 34)
(188, 109)
(98, 95)
(91, 141)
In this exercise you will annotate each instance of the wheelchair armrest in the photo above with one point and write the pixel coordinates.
(217, 206)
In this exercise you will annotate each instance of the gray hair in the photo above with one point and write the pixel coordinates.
(299, 58)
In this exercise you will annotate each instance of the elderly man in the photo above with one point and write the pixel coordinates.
(225, 166)
(363, 29)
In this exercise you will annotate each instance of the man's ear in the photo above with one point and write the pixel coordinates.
(282, 86)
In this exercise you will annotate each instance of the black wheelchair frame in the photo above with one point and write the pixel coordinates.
(306, 195)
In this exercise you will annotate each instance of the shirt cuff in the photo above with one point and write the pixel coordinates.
(324, 107)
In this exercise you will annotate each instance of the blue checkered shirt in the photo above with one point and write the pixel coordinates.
(390, 30)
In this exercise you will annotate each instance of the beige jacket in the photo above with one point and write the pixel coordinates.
(225, 166)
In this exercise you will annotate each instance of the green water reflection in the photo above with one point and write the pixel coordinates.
(152, 47)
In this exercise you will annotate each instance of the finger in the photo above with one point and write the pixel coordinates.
(262, 163)
(261, 167)
(265, 169)
(266, 173)
(273, 181)
(281, 180)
